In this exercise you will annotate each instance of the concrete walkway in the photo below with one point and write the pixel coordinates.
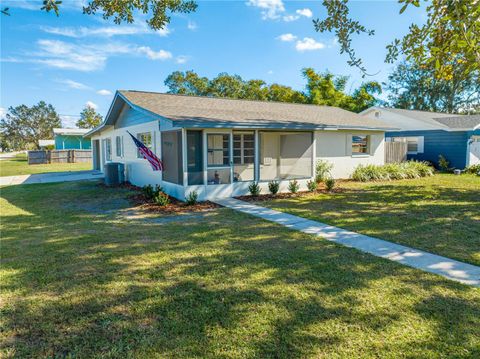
(446, 267)
(50, 177)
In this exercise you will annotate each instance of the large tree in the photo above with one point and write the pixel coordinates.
(415, 87)
(449, 36)
(89, 118)
(321, 89)
(23, 126)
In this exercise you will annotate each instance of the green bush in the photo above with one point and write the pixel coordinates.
(330, 183)
(273, 187)
(322, 170)
(392, 171)
(161, 199)
(312, 186)
(192, 198)
(473, 169)
(293, 186)
(444, 164)
(150, 192)
(254, 189)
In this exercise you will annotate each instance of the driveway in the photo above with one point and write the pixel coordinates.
(50, 177)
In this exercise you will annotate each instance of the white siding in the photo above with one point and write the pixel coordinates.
(335, 147)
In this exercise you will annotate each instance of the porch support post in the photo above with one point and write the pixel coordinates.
(184, 157)
(205, 158)
(256, 162)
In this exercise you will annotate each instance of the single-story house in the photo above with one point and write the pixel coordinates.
(431, 134)
(218, 147)
(71, 139)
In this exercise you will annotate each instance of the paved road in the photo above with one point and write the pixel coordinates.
(428, 262)
(50, 177)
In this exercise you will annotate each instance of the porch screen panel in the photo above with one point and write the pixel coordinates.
(243, 156)
(172, 157)
(285, 156)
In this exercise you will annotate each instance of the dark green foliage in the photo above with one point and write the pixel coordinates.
(273, 187)
(151, 192)
(293, 186)
(473, 169)
(89, 118)
(312, 186)
(254, 189)
(444, 164)
(329, 183)
(192, 198)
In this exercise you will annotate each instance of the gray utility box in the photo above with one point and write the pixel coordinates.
(114, 173)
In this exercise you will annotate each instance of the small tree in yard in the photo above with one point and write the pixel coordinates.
(89, 118)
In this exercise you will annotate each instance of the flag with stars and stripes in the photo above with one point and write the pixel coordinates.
(157, 165)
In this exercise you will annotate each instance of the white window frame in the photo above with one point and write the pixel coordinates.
(119, 146)
(150, 146)
(108, 154)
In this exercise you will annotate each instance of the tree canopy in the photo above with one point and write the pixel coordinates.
(89, 118)
(321, 89)
(415, 87)
(23, 126)
(449, 37)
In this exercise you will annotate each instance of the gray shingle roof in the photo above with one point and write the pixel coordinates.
(425, 116)
(454, 122)
(209, 111)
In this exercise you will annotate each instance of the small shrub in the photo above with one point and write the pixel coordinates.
(273, 187)
(473, 169)
(161, 199)
(148, 191)
(293, 186)
(444, 164)
(192, 198)
(254, 189)
(312, 186)
(330, 183)
(322, 170)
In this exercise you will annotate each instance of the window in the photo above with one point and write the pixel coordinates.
(414, 144)
(243, 156)
(146, 139)
(218, 150)
(119, 146)
(108, 149)
(360, 145)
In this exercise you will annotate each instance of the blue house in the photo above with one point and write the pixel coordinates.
(431, 134)
(71, 139)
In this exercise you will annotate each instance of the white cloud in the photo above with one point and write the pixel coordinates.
(290, 18)
(80, 57)
(271, 9)
(104, 31)
(104, 92)
(154, 55)
(192, 26)
(270, 72)
(3, 112)
(74, 84)
(68, 121)
(181, 59)
(308, 44)
(305, 12)
(287, 37)
(91, 104)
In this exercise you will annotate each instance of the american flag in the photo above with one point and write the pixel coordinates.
(157, 165)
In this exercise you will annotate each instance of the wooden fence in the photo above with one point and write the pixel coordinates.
(59, 156)
(395, 152)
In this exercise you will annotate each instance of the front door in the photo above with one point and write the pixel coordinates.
(219, 165)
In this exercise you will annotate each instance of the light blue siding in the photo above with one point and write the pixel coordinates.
(452, 145)
(131, 117)
(69, 142)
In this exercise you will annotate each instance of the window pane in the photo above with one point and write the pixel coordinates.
(359, 144)
(218, 151)
(412, 146)
(218, 176)
(244, 169)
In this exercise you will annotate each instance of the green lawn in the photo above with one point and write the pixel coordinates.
(80, 280)
(440, 214)
(19, 166)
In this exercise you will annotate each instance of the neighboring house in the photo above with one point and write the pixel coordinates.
(431, 134)
(218, 147)
(71, 139)
(45, 143)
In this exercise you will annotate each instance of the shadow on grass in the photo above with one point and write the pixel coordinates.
(81, 283)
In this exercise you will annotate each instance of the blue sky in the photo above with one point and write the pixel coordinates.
(75, 59)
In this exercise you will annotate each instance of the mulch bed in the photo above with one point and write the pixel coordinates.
(267, 197)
